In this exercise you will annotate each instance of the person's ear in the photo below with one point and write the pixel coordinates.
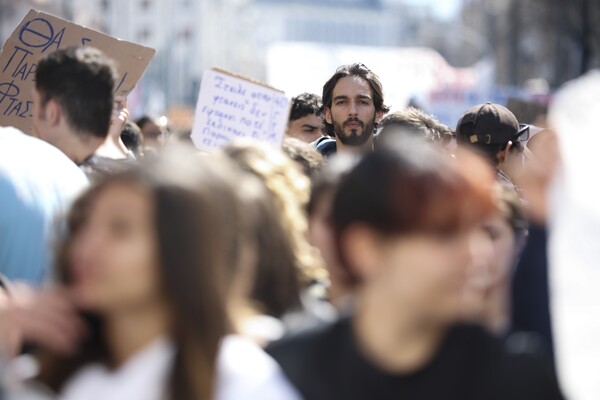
(378, 116)
(327, 115)
(53, 112)
(360, 246)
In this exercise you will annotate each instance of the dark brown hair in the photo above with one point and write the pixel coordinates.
(411, 187)
(304, 104)
(415, 121)
(359, 70)
(274, 280)
(188, 195)
(81, 80)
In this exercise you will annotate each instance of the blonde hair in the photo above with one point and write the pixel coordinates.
(290, 189)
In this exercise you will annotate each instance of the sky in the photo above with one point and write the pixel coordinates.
(446, 9)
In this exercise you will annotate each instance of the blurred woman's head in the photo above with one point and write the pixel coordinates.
(152, 240)
(505, 230)
(289, 190)
(404, 220)
(268, 280)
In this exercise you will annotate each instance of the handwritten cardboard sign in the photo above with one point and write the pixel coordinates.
(39, 34)
(230, 106)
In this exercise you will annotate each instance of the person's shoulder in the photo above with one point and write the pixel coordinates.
(27, 148)
(245, 371)
(36, 163)
(311, 359)
(509, 372)
(309, 351)
(325, 145)
(307, 343)
(99, 167)
(528, 374)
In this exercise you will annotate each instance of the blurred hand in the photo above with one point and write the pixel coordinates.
(45, 317)
(119, 118)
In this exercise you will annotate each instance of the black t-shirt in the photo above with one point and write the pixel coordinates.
(470, 365)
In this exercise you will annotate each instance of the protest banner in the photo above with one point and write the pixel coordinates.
(230, 106)
(39, 34)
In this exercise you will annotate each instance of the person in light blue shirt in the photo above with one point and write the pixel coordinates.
(37, 184)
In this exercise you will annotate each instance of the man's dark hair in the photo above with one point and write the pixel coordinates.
(132, 138)
(305, 104)
(140, 122)
(81, 80)
(412, 121)
(353, 70)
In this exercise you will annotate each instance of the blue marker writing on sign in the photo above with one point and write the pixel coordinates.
(39, 33)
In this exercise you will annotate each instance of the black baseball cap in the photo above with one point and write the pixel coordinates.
(490, 124)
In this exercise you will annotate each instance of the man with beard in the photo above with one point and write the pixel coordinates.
(352, 107)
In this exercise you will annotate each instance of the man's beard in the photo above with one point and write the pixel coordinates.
(356, 137)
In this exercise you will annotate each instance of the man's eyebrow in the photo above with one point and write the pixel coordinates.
(309, 126)
(343, 97)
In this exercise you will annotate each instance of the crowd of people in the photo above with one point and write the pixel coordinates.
(375, 255)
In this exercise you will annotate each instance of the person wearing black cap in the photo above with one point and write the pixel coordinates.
(493, 130)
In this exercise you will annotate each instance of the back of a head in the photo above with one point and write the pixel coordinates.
(304, 154)
(488, 128)
(411, 121)
(81, 80)
(289, 188)
(272, 282)
(132, 138)
(410, 187)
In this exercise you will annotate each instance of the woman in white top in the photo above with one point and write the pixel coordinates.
(143, 261)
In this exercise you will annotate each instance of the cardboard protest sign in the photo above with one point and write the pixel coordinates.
(39, 34)
(230, 106)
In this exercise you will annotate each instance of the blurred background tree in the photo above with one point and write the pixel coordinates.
(552, 39)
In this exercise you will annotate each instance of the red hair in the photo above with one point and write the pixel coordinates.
(413, 189)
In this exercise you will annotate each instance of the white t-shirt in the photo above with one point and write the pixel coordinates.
(244, 371)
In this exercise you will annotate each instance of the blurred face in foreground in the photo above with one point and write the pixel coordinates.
(489, 276)
(113, 257)
(424, 273)
(502, 238)
(406, 219)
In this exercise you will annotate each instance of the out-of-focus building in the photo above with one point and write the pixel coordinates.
(13, 11)
(193, 35)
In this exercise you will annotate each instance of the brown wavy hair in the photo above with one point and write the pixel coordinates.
(290, 191)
